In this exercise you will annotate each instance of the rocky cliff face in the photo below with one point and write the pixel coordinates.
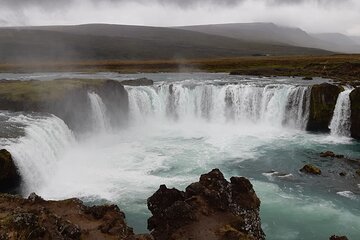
(355, 113)
(66, 98)
(322, 104)
(212, 208)
(9, 175)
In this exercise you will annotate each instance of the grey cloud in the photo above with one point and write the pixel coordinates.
(319, 2)
(55, 4)
(64, 3)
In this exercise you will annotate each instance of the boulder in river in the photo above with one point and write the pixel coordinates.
(311, 169)
(9, 175)
(322, 104)
(331, 154)
(212, 208)
(355, 113)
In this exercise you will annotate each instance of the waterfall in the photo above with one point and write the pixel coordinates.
(273, 104)
(100, 120)
(341, 121)
(38, 151)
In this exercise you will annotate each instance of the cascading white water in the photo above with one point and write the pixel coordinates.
(100, 120)
(341, 121)
(37, 153)
(275, 104)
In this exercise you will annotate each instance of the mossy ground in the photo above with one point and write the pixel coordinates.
(38, 90)
(340, 67)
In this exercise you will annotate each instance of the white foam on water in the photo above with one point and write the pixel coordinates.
(347, 194)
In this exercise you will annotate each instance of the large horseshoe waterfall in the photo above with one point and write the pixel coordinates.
(177, 129)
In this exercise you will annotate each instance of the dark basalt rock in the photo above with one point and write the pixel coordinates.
(9, 175)
(138, 82)
(322, 104)
(212, 208)
(311, 169)
(334, 237)
(331, 154)
(355, 113)
(35, 218)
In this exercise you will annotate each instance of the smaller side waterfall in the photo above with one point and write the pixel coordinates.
(341, 122)
(100, 120)
(37, 153)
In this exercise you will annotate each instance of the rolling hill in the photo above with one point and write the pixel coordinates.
(121, 42)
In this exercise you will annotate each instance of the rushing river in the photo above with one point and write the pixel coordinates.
(186, 125)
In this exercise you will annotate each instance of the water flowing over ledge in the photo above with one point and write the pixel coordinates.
(37, 153)
(341, 122)
(274, 104)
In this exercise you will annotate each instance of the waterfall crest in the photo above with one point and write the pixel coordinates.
(98, 108)
(341, 121)
(275, 104)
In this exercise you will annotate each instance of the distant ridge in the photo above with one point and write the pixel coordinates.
(270, 32)
(123, 42)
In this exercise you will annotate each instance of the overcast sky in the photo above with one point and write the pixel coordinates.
(311, 15)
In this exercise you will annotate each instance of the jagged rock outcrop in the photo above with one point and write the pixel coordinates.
(35, 218)
(331, 155)
(138, 82)
(322, 104)
(355, 113)
(66, 98)
(311, 169)
(212, 208)
(9, 175)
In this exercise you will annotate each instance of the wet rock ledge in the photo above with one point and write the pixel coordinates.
(212, 208)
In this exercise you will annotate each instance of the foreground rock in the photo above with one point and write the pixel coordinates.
(212, 208)
(35, 218)
(322, 104)
(355, 113)
(311, 169)
(138, 82)
(9, 176)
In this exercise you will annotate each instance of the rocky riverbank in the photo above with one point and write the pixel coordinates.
(212, 208)
(66, 98)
